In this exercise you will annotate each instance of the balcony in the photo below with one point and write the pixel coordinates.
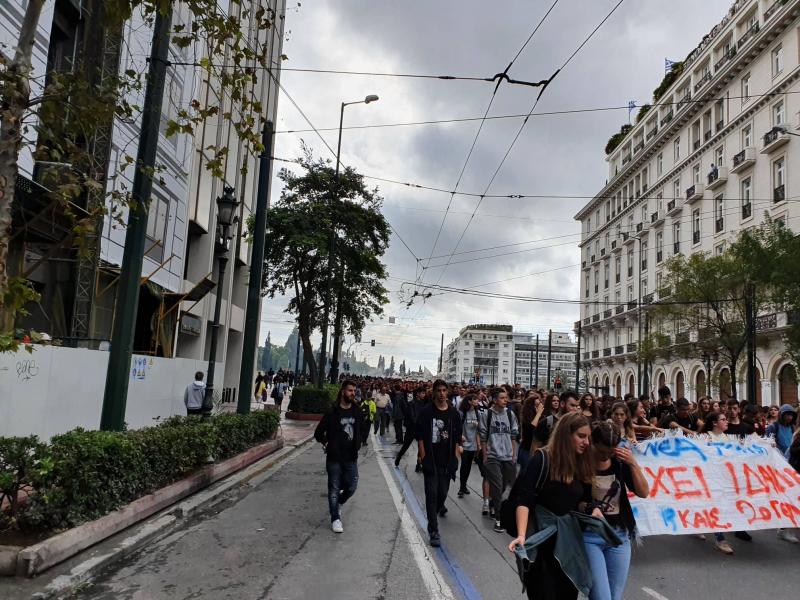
(595, 318)
(595, 353)
(748, 35)
(584, 265)
(631, 304)
(664, 292)
(657, 218)
(674, 207)
(587, 320)
(626, 159)
(720, 125)
(619, 350)
(606, 352)
(743, 160)
(586, 355)
(607, 313)
(747, 210)
(684, 101)
(638, 147)
(726, 56)
(702, 81)
(719, 225)
(642, 229)
(774, 139)
(620, 308)
(695, 193)
(667, 118)
(616, 246)
(651, 134)
(631, 347)
(773, 9)
(767, 322)
(602, 252)
(696, 145)
(707, 136)
(682, 337)
(594, 260)
(717, 178)
(648, 299)
(779, 194)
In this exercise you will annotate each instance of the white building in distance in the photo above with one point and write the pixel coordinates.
(728, 107)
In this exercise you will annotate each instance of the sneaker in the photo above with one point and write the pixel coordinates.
(336, 526)
(700, 536)
(443, 512)
(723, 547)
(436, 541)
(418, 468)
(460, 493)
(485, 509)
(491, 513)
(466, 492)
(787, 536)
(497, 527)
(743, 535)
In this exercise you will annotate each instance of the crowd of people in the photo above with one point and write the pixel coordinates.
(544, 459)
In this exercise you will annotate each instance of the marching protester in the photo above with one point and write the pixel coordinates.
(567, 403)
(532, 410)
(471, 442)
(783, 430)
(382, 401)
(621, 419)
(410, 417)
(589, 408)
(339, 432)
(368, 411)
(498, 431)
(398, 410)
(615, 472)
(735, 425)
(550, 492)
(194, 395)
(678, 417)
(641, 426)
(438, 433)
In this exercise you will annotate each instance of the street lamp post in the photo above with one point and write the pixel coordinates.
(226, 219)
(331, 264)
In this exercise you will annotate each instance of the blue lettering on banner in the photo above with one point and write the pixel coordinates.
(669, 516)
(674, 447)
(726, 448)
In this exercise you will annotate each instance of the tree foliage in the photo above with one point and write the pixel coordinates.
(297, 248)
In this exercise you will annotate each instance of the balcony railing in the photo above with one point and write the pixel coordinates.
(738, 158)
(702, 81)
(747, 210)
(779, 193)
(595, 318)
(707, 136)
(670, 205)
(586, 355)
(664, 292)
(639, 227)
(682, 337)
(719, 225)
(613, 245)
(606, 352)
(767, 322)
(685, 99)
(773, 9)
(638, 147)
(667, 118)
(619, 349)
(587, 320)
(651, 134)
(696, 145)
(690, 191)
(631, 347)
(607, 313)
(626, 159)
(619, 309)
(595, 353)
(648, 299)
(602, 252)
(726, 56)
(631, 304)
(772, 135)
(747, 36)
(616, 278)
(720, 125)
(713, 176)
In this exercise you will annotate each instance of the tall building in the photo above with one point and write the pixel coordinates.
(494, 355)
(712, 157)
(530, 365)
(179, 275)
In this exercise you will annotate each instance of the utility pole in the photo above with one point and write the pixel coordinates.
(549, 355)
(253, 311)
(441, 357)
(578, 359)
(115, 397)
(751, 343)
(537, 360)
(530, 371)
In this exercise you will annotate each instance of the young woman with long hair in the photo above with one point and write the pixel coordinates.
(589, 407)
(532, 410)
(568, 477)
(470, 443)
(552, 404)
(642, 428)
(615, 472)
(621, 419)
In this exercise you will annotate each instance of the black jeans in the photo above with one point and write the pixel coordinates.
(409, 437)
(466, 466)
(381, 421)
(398, 430)
(436, 487)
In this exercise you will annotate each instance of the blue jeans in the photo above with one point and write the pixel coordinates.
(342, 483)
(609, 565)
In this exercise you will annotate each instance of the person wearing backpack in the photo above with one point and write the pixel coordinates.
(548, 497)
(277, 394)
(615, 472)
(568, 402)
(498, 433)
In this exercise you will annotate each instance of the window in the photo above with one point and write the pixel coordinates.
(644, 256)
(747, 136)
(606, 275)
(676, 148)
(660, 165)
(746, 195)
(157, 215)
(696, 174)
(659, 201)
(659, 282)
(676, 190)
(644, 286)
(777, 60)
(630, 293)
(644, 212)
(617, 269)
(630, 263)
(696, 226)
(719, 156)
(779, 179)
(659, 247)
(719, 214)
(596, 281)
(778, 114)
(719, 248)
(676, 238)
(745, 88)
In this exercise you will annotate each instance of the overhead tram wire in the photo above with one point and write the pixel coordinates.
(519, 132)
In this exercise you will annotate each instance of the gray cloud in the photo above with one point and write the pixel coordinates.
(559, 154)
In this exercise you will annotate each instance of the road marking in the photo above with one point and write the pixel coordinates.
(654, 594)
(435, 584)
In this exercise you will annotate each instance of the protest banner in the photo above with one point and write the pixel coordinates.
(699, 485)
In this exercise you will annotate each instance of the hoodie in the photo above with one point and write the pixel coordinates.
(783, 433)
(194, 395)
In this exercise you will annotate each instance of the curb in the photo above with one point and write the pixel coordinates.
(166, 521)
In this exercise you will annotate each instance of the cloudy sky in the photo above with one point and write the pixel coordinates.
(556, 155)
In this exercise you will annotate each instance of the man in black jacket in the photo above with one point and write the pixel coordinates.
(398, 400)
(339, 432)
(438, 432)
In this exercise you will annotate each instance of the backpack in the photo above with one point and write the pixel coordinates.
(508, 508)
(277, 392)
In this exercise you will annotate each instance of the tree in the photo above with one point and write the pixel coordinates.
(266, 355)
(297, 247)
(59, 124)
(390, 370)
(403, 368)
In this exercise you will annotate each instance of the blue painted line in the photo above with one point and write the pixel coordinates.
(463, 581)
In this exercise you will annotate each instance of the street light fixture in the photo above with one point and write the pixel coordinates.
(334, 374)
(226, 219)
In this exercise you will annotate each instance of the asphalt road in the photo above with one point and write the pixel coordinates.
(272, 540)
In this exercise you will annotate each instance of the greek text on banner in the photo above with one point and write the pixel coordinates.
(700, 484)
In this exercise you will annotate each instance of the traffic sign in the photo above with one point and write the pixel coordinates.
(582, 385)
